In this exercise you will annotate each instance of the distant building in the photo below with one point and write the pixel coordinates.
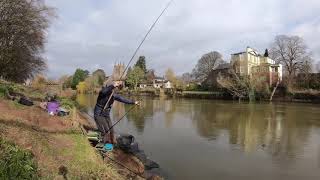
(167, 84)
(158, 82)
(248, 63)
(251, 63)
(117, 73)
(145, 84)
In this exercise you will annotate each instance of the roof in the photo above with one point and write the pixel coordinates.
(162, 78)
(238, 53)
(223, 66)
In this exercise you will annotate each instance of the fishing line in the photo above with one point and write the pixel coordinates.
(124, 166)
(139, 46)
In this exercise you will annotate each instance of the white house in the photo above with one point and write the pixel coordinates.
(167, 85)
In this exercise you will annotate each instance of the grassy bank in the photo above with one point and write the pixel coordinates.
(34, 145)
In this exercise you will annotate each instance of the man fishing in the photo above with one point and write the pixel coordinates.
(102, 110)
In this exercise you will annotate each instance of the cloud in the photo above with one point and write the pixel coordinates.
(91, 34)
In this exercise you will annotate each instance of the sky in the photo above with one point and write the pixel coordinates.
(92, 34)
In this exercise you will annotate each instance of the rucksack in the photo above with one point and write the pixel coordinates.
(25, 101)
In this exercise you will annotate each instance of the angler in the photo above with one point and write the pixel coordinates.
(106, 95)
(102, 110)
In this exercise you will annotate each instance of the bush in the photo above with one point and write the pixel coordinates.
(16, 163)
(3, 90)
(67, 103)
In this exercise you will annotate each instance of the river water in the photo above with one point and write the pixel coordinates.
(210, 139)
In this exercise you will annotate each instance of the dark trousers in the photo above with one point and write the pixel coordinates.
(104, 123)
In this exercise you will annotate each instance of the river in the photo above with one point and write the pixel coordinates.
(210, 139)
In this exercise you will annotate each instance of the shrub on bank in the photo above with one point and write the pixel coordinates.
(16, 163)
(67, 102)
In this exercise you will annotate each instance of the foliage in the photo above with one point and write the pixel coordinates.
(67, 103)
(241, 87)
(187, 78)
(6, 87)
(23, 26)
(65, 81)
(99, 77)
(3, 90)
(150, 76)
(94, 81)
(318, 67)
(206, 64)
(170, 75)
(16, 163)
(39, 82)
(193, 87)
(291, 51)
(79, 75)
(134, 77)
(141, 63)
(82, 87)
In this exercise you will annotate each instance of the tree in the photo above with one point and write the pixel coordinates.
(66, 81)
(169, 75)
(206, 64)
(99, 77)
(79, 75)
(150, 75)
(142, 64)
(134, 77)
(318, 67)
(241, 87)
(305, 70)
(187, 78)
(23, 26)
(39, 82)
(291, 52)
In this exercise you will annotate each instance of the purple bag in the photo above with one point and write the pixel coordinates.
(53, 107)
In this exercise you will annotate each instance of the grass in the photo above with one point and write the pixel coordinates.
(16, 163)
(40, 154)
(53, 151)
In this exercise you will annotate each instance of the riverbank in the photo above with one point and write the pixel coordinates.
(303, 96)
(57, 145)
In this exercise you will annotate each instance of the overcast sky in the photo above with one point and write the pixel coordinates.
(93, 34)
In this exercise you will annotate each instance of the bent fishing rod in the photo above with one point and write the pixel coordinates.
(127, 66)
(139, 46)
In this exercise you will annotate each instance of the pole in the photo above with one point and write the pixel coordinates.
(139, 46)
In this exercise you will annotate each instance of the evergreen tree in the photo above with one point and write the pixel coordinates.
(141, 63)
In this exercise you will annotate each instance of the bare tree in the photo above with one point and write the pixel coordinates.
(23, 25)
(187, 78)
(206, 64)
(237, 86)
(318, 67)
(291, 51)
(170, 75)
(242, 87)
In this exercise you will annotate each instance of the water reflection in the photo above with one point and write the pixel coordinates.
(286, 134)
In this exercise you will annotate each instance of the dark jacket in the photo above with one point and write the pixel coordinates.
(102, 100)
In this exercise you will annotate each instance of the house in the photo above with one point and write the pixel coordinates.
(167, 84)
(248, 63)
(251, 63)
(158, 82)
(145, 84)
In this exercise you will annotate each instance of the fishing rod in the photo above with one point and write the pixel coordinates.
(131, 108)
(139, 46)
(125, 114)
